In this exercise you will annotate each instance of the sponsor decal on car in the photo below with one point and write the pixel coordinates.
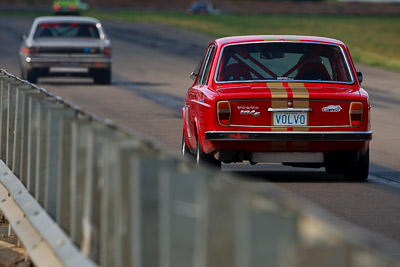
(332, 108)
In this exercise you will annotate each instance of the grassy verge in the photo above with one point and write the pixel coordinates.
(373, 41)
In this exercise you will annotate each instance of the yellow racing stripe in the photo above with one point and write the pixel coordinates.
(278, 92)
(300, 92)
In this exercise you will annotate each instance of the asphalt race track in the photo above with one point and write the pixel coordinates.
(151, 71)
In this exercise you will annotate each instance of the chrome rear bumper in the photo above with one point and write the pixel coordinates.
(68, 62)
(288, 136)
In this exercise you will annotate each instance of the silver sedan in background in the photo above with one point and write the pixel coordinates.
(66, 45)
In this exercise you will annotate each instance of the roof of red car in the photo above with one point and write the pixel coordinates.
(282, 38)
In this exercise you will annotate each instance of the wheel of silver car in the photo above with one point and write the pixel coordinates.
(23, 74)
(31, 76)
(357, 170)
(102, 76)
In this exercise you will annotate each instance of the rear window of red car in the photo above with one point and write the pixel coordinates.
(283, 61)
(83, 30)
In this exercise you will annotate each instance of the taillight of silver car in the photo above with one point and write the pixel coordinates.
(107, 51)
(29, 50)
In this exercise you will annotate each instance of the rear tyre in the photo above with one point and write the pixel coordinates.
(102, 76)
(204, 159)
(23, 74)
(358, 169)
(185, 149)
(29, 75)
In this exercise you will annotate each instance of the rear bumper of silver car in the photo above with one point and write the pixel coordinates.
(288, 136)
(68, 62)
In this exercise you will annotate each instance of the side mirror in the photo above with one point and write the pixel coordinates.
(193, 76)
(360, 76)
(23, 37)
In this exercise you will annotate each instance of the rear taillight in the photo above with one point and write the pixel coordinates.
(107, 51)
(356, 113)
(224, 113)
(29, 50)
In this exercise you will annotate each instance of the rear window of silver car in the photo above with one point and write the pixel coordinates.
(51, 30)
(283, 61)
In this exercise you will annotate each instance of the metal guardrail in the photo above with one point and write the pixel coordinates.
(110, 198)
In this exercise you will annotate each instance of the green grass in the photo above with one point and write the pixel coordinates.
(373, 41)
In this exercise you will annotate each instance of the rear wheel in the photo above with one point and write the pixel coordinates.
(204, 159)
(23, 73)
(102, 76)
(185, 149)
(29, 75)
(358, 169)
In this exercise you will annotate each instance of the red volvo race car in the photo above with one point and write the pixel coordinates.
(296, 100)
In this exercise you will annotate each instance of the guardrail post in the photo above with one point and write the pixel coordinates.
(19, 129)
(108, 208)
(3, 117)
(41, 152)
(25, 133)
(80, 130)
(141, 195)
(63, 207)
(12, 112)
(3, 98)
(90, 242)
(266, 219)
(149, 215)
(201, 225)
(7, 124)
(55, 158)
(112, 212)
(12, 102)
(93, 192)
(220, 230)
(179, 212)
(139, 217)
(32, 147)
(128, 230)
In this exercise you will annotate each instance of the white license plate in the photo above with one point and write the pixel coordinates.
(290, 118)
